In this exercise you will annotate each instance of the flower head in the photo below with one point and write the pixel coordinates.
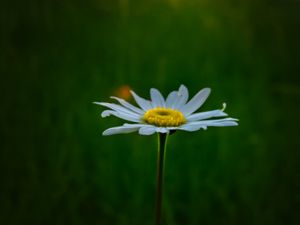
(165, 115)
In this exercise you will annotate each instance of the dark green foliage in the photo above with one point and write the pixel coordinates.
(57, 57)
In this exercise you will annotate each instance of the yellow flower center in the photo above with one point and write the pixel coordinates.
(162, 117)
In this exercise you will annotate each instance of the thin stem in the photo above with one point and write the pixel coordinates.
(162, 143)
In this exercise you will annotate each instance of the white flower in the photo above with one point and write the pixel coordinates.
(163, 116)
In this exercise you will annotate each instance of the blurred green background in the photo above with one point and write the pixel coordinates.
(57, 57)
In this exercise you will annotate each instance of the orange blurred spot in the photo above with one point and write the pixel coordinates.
(123, 92)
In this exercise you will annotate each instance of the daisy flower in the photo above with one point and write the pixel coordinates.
(165, 115)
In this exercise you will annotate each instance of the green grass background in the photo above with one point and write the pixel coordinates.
(59, 56)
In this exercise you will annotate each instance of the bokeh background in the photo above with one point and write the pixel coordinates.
(57, 57)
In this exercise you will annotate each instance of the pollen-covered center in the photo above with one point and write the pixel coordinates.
(163, 117)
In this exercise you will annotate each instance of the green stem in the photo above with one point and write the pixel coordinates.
(162, 143)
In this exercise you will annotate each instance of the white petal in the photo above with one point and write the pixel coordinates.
(128, 105)
(161, 130)
(147, 130)
(143, 103)
(122, 129)
(117, 108)
(195, 102)
(135, 125)
(157, 98)
(206, 115)
(124, 116)
(219, 122)
(172, 97)
(182, 97)
(106, 113)
(192, 126)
